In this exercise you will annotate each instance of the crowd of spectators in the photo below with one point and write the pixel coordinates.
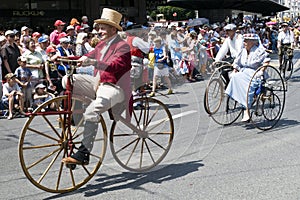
(28, 58)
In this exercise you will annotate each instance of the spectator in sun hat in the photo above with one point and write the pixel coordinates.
(63, 50)
(36, 36)
(43, 44)
(95, 28)
(71, 34)
(54, 36)
(86, 28)
(24, 35)
(9, 54)
(84, 20)
(233, 43)
(41, 95)
(12, 95)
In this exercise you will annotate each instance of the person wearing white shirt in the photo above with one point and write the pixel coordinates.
(233, 43)
(285, 43)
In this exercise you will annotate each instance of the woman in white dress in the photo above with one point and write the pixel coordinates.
(251, 57)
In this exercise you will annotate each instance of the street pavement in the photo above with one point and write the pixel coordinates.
(206, 160)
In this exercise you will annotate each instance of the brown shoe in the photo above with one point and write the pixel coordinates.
(70, 160)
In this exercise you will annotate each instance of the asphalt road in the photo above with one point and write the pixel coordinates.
(206, 160)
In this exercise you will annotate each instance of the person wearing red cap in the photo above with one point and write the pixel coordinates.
(54, 36)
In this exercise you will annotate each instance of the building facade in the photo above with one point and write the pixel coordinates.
(41, 14)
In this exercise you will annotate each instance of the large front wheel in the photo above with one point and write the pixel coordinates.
(46, 139)
(143, 148)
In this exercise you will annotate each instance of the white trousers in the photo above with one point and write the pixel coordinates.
(104, 96)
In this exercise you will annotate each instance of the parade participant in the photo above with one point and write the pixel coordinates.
(252, 56)
(233, 43)
(112, 62)
(285, 43)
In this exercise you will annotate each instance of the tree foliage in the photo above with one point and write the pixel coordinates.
(168, 11)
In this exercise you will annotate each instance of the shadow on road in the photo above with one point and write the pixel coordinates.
(105, 183)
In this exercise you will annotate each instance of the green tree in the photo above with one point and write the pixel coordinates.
(168, 11)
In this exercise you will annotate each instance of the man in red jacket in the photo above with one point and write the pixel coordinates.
(110, 84)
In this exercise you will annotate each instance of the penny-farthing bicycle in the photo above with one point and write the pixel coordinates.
(54, 131)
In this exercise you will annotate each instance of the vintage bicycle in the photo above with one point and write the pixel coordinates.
(53, 133)
(287, 65)
(266, 107)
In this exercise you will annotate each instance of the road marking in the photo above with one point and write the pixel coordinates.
(184, 114)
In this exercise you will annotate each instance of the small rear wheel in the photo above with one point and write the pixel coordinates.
(142, 149)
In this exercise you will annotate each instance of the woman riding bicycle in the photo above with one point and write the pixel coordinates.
(252, 56)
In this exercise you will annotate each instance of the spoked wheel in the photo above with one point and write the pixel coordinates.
(144, 143)
(213, 96)
(267, 107)
(44, 142)
(228, 112)
(215, 88)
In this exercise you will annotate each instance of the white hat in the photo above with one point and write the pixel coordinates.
(41, 85)
(251, 36)
(24, 28)
(229, 27)
(110, 17)
(70, 27)
(80, 37)
(84, 26)
(22, 58)
(64, 40)
(9, 32)
(2, 38)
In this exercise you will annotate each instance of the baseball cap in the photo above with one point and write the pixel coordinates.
(2, 38)
(59, 22)
(36, 34)
(9, 32)
(42, 39)
(50, 49)
(24, 28)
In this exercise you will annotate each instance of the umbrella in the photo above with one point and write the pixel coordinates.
(271, 23)
(198, 22)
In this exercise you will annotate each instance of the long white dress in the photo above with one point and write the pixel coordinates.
(247, 64)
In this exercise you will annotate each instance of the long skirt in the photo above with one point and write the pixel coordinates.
(238, 86)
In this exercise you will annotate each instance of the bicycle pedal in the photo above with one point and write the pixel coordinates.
(71, 166)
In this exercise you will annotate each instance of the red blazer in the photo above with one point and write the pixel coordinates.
(115, 65)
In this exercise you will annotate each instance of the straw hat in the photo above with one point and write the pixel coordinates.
(110, 17)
